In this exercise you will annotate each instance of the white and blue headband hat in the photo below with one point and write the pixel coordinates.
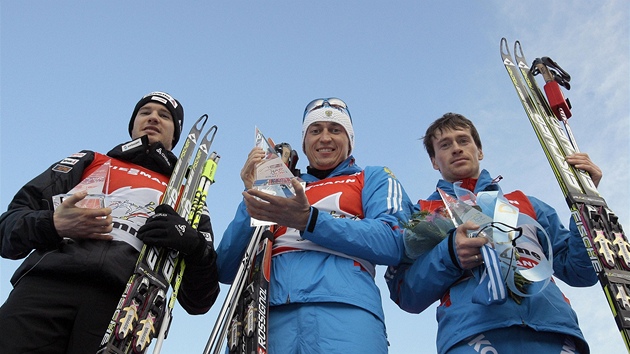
(328, 111)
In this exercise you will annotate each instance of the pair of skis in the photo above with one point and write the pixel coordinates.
(144, 309)
(601, 232)
(243, 318)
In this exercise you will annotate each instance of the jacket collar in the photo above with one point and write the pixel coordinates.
(347, 167)
(475, 185)
(152, 156)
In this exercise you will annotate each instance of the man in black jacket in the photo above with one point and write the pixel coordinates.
(79, 259)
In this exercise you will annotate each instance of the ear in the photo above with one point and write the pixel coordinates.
(435, 166)
(480, 155)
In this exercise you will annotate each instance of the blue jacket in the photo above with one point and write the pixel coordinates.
(369, 233)
(435, 275)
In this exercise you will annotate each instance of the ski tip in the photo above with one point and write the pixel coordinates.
(209, 136)
(504, 47)
(518, 49)
(199, 124)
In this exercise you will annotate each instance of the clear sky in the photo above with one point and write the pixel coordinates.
(71, 72)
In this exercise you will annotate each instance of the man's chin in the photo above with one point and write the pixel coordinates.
(463, 173)
(327, 165)
(156, 139)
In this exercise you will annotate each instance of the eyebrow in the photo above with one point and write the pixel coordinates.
(161, 109)
(326, 123)
(455, 136)
(443, 140)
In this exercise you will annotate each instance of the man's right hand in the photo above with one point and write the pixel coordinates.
(468, 249)
(82, 223)
(248, 172)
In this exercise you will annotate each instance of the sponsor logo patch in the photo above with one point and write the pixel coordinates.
(69, 161)
(62, 168)
(132, 144)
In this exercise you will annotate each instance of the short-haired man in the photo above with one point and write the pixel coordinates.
(541, 323)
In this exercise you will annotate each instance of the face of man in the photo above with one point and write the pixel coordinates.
(456, 155)
(156, 121)
(326, 145)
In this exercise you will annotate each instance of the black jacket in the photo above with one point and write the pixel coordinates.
(27, 229)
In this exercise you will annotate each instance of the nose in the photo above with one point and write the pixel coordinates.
(153, 117)
(326, 135)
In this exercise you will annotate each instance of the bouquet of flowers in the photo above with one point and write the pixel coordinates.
(424, 231)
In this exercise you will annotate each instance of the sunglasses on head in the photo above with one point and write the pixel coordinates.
(330, 102)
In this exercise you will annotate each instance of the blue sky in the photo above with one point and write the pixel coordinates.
(71, 72)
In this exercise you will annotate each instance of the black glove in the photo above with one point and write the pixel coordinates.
(167, 229)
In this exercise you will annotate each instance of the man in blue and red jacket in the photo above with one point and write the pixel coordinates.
(541, 323)
(332, 234)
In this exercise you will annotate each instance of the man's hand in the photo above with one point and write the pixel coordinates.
(82, 223)
(468, 249)
(248, 172)
(582, 161)
(167, 229)
(290, 212)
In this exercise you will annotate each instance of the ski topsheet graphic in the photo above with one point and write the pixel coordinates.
(144, 310)
(603, 236)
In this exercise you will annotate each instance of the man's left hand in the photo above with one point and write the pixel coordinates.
(167, 229)
(290, 212)
(582, 161)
